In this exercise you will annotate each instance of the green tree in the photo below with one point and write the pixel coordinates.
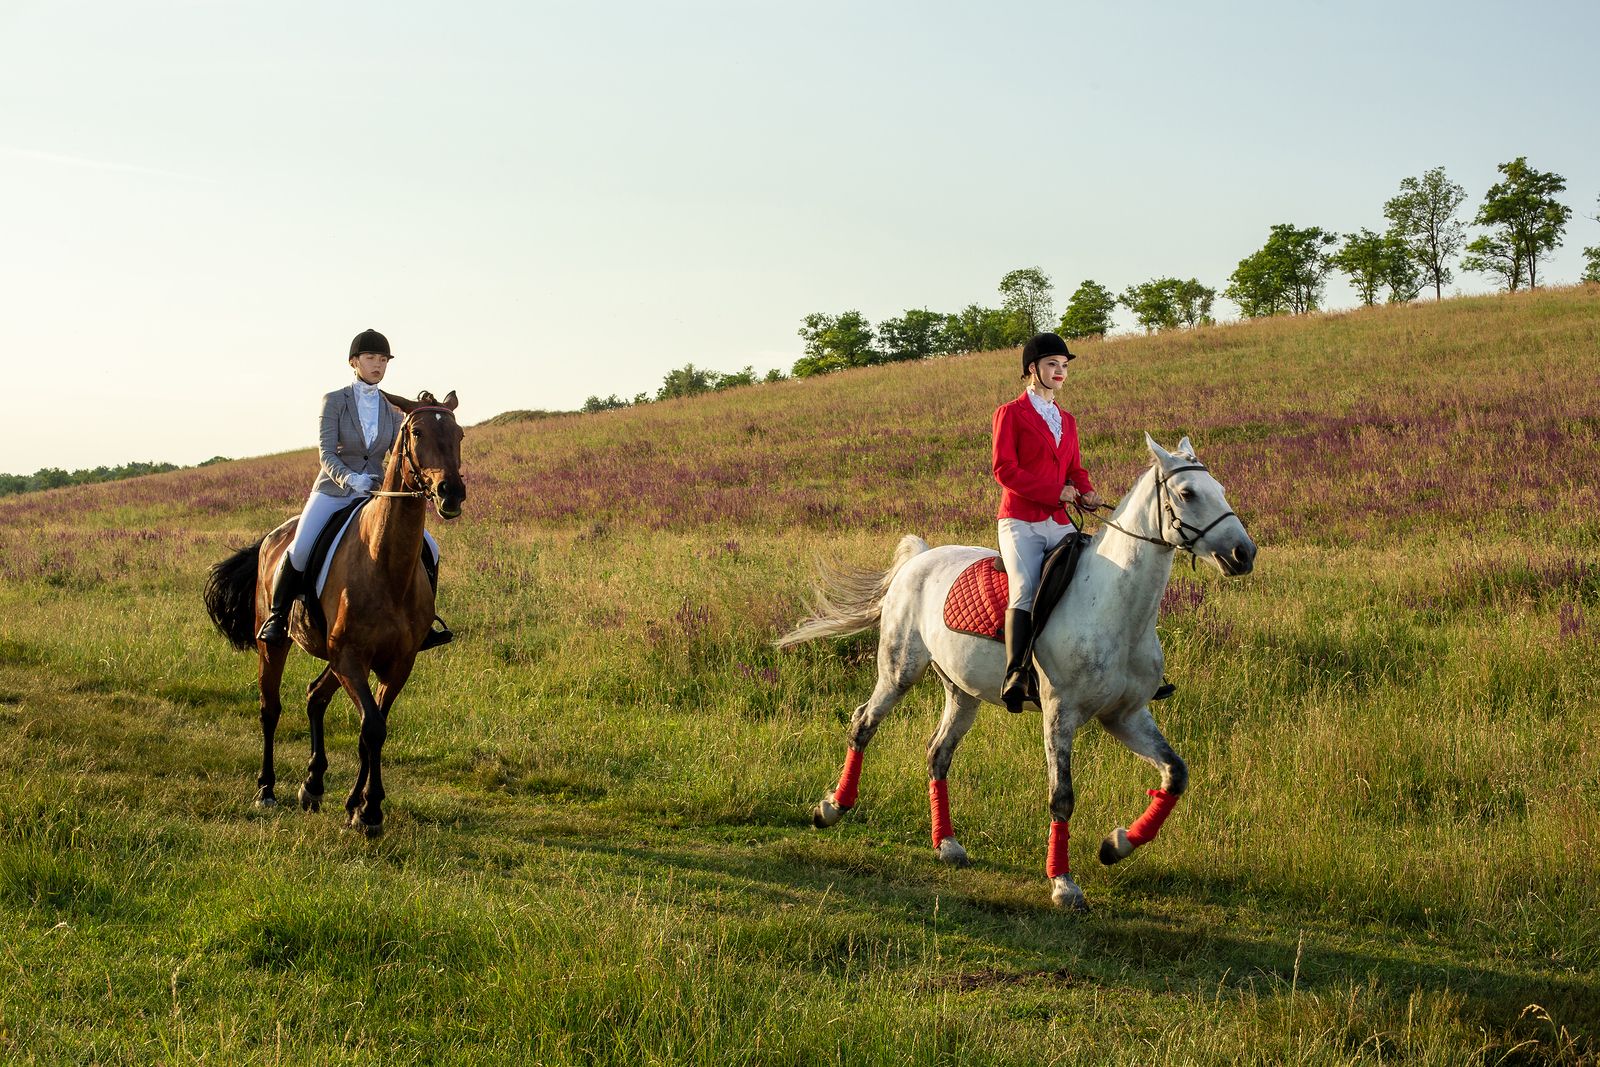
(687, 380)
(979, 329)
(736, 379)
(1089, 311)
(835, 342)
(1493, 255)
(604, 403)
(1028, 295)
(1423, 215)
(1524, 217)
(1377, 261)
(917, 334)
(1287, 274)
(1193, 301)
(1153, 303)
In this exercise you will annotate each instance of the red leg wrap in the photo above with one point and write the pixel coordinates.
(1149, 823)
(845, 795)
(1056, 860)
(939, 801)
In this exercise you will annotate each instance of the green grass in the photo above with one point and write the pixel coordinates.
(598, 846)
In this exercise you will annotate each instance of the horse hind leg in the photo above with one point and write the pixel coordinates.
(1144, 738)
(960, 710)
(269, 680)
(900, 665)
(318, 694)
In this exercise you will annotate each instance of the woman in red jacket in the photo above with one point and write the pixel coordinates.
(1036, 462)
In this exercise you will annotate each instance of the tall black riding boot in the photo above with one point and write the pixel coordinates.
(285, 586)
(438, 635)
(1019, 685)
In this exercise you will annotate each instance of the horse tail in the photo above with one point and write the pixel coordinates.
(849, 601)
(231, 596)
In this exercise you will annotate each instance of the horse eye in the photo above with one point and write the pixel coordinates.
(1187, 494)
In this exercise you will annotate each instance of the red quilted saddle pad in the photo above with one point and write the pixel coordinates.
(976, 604)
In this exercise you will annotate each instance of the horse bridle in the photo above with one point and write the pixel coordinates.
(1164, 503)
(410, 468)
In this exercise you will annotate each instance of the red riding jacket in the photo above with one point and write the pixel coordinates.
(1031, 467)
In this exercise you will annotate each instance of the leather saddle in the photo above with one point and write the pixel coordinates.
(976, 603)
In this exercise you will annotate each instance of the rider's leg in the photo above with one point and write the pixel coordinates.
(291, 572)
(439, 634)
(1022, 545)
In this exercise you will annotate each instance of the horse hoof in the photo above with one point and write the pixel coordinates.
(369, 830)
(827, 813)
(265, 801)
(1116, 847)
(1066, 895)
(951, 852)
(310, 801)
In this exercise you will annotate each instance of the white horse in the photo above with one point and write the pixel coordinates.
(1098, 655)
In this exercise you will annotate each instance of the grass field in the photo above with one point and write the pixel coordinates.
(598, 846)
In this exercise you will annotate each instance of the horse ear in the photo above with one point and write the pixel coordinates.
(449, 402)
(1186, 448)
(399, 401)
(1160, 454)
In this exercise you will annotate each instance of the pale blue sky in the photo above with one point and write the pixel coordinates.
(201, 202)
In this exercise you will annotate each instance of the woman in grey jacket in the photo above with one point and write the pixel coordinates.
(357, 430)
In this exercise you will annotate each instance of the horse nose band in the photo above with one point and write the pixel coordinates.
(1186, 542)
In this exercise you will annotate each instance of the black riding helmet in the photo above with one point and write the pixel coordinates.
(1041, 345)
(370, 341)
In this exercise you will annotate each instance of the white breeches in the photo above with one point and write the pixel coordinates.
(319, 506)
(1023, 546)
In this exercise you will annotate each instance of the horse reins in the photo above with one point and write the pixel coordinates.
(408, 458)
(1164, 503)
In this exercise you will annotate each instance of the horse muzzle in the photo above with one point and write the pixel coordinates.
(448, 498)
(1241, 559)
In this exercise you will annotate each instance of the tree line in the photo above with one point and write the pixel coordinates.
(1422, 243)
(55, 477)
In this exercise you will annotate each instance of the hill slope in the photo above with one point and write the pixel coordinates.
(598, 848)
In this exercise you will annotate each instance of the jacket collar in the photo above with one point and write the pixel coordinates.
(1032, 417)
(386, 420)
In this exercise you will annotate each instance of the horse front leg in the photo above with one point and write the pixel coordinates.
(318, 694)
(364, 805)
(269, 680)
(1060, 727)
(1141, 734)
(391, 679)
(960, 709)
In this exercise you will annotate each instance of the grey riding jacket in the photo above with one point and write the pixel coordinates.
(342, 446)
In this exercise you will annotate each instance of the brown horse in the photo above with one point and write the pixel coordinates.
(378, 602)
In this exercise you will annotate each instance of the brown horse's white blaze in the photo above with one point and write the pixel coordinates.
(1098, 656)
(378, 602)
